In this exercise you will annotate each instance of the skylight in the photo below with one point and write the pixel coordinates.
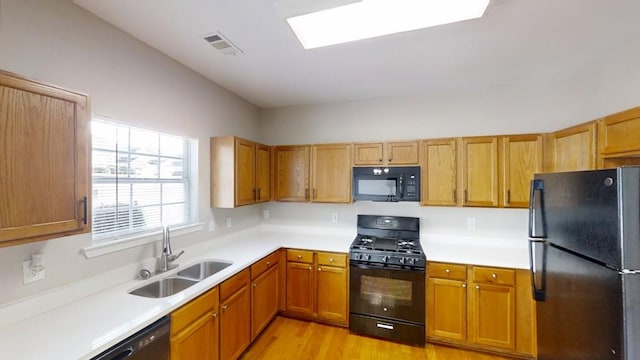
(373, 18)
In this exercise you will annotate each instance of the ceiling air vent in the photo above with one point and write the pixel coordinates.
(222, 44)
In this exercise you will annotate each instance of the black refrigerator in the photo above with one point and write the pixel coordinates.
(584, 230)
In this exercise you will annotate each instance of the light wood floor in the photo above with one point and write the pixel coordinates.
(286, 339)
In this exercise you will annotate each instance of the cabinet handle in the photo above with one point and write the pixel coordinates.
(268, 263)
(508, 197)
(464, 285)
(319, 269)
(464, 197)
(254, 195)
(380, 160)
(447, 271)
(306, 194)
(331, 259)
(309, 268)
(454, 195)
(253, 285)
(224, 307)
(315, 193)
(478, 287)
(390, 159)
(214, 315)
(494, 276)
(258, 193)
(84, 211)
(299, 256)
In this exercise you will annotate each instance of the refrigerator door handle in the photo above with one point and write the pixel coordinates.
(538, 289)
(537, 223)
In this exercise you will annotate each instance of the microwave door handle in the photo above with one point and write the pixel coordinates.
(537, 221)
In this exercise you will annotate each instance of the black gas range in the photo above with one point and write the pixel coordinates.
(387, 279)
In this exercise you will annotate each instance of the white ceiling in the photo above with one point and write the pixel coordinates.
(517, 41)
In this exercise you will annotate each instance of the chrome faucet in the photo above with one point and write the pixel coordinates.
(167, 255)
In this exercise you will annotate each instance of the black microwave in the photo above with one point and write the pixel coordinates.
(386, 183)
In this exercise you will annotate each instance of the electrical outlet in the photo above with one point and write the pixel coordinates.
(265, 214)
(29, 275)
(212, 225)
(334, 217)
(228, 221)
(471, 223)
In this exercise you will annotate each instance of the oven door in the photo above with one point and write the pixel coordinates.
(386, 292)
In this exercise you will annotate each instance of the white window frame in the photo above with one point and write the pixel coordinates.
(122, 239)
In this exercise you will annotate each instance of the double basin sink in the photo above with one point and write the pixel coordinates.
(181, 280)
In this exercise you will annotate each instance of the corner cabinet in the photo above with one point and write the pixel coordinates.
(45, 169)
(239, 172)
(316, 173)
(481, 308)
(571, 149)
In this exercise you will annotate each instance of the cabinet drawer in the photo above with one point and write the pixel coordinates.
(332, 259)
(494, 276)
(448, 271)
(190, 312)
(300, 256)
(264, 264)
(233, 284)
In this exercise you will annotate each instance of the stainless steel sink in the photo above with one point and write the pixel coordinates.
(163, 287)
(203, 270)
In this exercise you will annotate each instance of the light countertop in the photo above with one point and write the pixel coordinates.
(88, 324)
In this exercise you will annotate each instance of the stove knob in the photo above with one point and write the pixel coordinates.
(402, 260)
(412, 261)
(384, 258)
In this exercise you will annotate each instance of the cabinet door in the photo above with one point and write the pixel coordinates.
(480, 171)
(401, 153)
(300, 288)
(263, 174)
(264, 300)
(292, 173)
(331, 173)
(492, 315)
(44, 171)
(522, 157)
(368, 154)
(571, 149)
(331, 291)
(447, 308)
(245, 169)
(195, 341)
(235, 329)
(439, 174)
(618, 133)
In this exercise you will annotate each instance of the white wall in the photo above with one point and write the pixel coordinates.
(58, 42)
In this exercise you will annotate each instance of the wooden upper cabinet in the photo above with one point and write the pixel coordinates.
(401, 153)
(239, 172)
(619, 139)
(521, 158)
(571, 149)
(368, 154)
(263, 173)
(45, 142)
(479, 171)
(292, 173)
(331, 173)
(389, 153)
(439, 172)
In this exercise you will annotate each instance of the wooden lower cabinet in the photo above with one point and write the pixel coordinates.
(317, 286)
(194, 329)
(482, 308)
(235, 316)
(265, 293)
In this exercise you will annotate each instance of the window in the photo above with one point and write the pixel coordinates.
(141, 181)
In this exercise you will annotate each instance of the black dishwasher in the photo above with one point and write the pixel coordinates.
(150, 343)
